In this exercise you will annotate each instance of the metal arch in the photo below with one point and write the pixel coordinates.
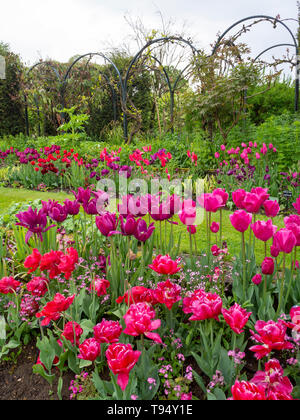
(295, 44)
(44, 63)
(271, 48)
(172, 89)
(134, 60)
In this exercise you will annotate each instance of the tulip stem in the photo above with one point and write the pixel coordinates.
(221, 229)
(244, 263)
(282, 284)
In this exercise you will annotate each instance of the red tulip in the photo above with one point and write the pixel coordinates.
(165, 265)
(136, 295)
(296, 205)
(252, 202)
(121, 360)
(215, 227)
(72, 330)
(8, 285)
(38, 286)
(33, 261)
(238, 198)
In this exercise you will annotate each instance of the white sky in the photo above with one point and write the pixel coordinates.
(60, 29)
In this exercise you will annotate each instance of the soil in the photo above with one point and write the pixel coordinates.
(18, 382)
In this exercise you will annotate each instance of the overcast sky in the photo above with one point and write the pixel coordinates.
(60, 29)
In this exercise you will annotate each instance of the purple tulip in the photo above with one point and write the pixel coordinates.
(35, 222)
(83, 196)
(107, 224)
(58, 213)
(143, 232)
(72, 207)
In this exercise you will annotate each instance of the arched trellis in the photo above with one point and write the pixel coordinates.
(171, 39)
(172, 88)
(63, 80)
(55, 71)
(112, 89)
(294, 44)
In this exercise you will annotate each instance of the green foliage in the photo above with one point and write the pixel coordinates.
(11, 109)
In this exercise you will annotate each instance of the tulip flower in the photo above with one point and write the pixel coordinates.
(35, 222)
(203, 306)
(100, 286)
(138, 294)
(121, 359)
(167, 293)
(296, 205)
(268, 266)
(90, 350)
(52, 311)
(108, 331)
(215, 227)
(247, 391)
(165, 265)
(272, 379)
(285, 240)
(143, 232)
(272, 335)
(238, 198)
(8, 285)
(72, 207)
(107, 224)
(72, 331)
(272, 208)
(264, 230)
(257, 279)
(139, 320)
(33, 261)
(241, 220)
(38, 286)
(236, 317)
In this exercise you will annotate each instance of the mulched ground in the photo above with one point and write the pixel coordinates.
(18, 382)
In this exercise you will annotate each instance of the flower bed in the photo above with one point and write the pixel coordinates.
(110, 298)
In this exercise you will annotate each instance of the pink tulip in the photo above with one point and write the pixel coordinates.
(223, 194)
(257, 279)
(268, 266)
(241, 220)
(285, 241)
(297, 205)
(210, 202)
(215, 227)
(238, 198)
(89, 350)
(272, 208)
(264, 230)
(252, 202)
(139, 320)
(203, 306)
(236, 317)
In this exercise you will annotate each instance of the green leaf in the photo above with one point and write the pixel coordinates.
(39, 370)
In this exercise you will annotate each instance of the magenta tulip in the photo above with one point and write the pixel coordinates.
(271, 208)
(264, 230)
(241, 220)
(285, 241)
